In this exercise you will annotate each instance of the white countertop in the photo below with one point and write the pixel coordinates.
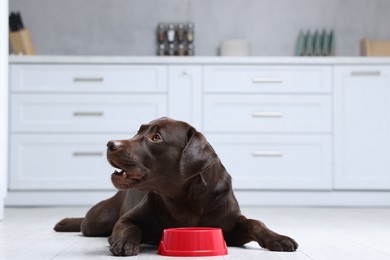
(13, 59)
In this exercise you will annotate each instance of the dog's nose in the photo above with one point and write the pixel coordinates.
(114, 144)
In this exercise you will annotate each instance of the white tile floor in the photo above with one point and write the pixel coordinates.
(323, 233)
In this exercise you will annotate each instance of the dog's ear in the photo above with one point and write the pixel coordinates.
(197, 156)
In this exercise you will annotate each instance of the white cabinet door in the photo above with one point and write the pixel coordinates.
(267, 79)
(362, 127)
(60, 162)
(185, 94)
(291, 162)
(77, 78)
(72, 113)
(273, 114)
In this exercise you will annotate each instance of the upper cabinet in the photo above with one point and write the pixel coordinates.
(362, 127)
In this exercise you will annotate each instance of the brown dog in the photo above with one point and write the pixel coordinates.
(169, 176)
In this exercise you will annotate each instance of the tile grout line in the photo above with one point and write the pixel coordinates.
(16, 238)
(65, 249)
(303, 253)
(366, 246)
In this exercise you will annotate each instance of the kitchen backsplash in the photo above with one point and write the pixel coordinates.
(123, 27)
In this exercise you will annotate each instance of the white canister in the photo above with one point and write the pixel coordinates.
(235, 47)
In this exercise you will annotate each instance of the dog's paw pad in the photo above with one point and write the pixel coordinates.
(282, 243)
(124, 248)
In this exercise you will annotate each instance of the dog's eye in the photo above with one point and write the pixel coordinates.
(156, 137)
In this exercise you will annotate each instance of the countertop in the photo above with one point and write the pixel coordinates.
(36, 59)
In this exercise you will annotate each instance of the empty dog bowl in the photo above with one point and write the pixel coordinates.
(192, 242)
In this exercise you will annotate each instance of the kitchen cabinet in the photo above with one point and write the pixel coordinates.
(296, 131)
(276, 162)
(62, 116)
(53, 161)
(268, 113)
(362, 127)
(50, 111)
(74, 113)
(87, 79)
(185, 93)
(271, 125)
(267, 79)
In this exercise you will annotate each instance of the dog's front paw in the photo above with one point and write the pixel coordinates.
(124, 248)
(281, 243)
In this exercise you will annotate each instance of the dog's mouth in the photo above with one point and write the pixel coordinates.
(126, 177)
(119, 172)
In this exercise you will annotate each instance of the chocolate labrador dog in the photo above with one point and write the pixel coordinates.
(168, 175)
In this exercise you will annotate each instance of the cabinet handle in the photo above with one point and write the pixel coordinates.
(365, 73)
(266, 80)
(88, 154)
(267, 114)
(267, 153)
(97, 79)
(88, 114)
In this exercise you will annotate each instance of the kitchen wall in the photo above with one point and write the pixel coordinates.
(3, 105)
(127, 27)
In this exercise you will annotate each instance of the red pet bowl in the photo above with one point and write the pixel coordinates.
(192, 242)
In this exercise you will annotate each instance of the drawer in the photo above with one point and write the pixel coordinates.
(276, 161)
(268, 113)
(268, 79)
(88, 78)
(84, 113)
(60, 162)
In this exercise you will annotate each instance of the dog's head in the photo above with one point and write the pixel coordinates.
(164, 154)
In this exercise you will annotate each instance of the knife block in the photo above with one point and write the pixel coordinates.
(21, 42)
(375, 48)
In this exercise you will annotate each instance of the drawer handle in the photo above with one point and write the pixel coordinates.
(365, 73)
(267, 80)
(88, 154)
(267, 154)
(97, 79)
(88, 114)
(267, 114)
